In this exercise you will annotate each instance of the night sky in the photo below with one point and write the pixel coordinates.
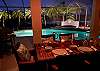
(82, 3)
(47, 3)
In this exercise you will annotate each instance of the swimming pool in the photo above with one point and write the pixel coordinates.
(79, 35)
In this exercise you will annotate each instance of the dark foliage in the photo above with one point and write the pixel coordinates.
(6, 40)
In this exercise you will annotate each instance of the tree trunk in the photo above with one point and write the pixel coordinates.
(76, 16)
(85, 18)
(79, 17)
(45, 22)
(18, 23)
(3, 22)
(63, 17)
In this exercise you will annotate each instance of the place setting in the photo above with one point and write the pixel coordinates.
(60, 52)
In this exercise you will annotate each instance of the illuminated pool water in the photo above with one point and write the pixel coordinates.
(77, 34)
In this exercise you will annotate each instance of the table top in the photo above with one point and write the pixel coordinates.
(62, 50)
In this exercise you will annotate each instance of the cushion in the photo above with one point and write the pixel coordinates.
(23, 53)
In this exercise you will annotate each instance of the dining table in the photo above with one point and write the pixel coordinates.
(50, 52)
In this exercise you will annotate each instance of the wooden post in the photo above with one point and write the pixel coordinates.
(36, 20)
(95, 26)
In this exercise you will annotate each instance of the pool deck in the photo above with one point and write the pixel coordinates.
(69, 28)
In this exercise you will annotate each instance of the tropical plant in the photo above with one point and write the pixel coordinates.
(68, 12)
(44, 12)
(52, 12)
(72, 11)
(4, 16)
(62, 11)
(17, 14)
(27, 13)
(55, 12)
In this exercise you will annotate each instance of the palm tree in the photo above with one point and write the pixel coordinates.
(55, 12)
(27, 13)
(50, 12)
(75, 11)
(44, 13)
(17, 14)
(4, 15)
(69, 11)
(62, 11)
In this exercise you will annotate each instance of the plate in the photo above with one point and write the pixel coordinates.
(73, 45)
(60, 51)
(85, 49)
